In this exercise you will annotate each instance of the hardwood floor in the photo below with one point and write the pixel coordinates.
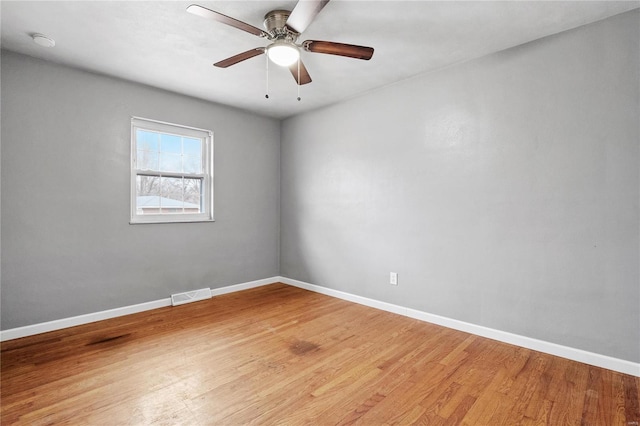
(281, 355)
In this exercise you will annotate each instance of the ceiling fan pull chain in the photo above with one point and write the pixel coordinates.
(298, 82)
(267, 82)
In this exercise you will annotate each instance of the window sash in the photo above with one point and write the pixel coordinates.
(170, 174)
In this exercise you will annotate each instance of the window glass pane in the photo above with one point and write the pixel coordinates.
(171, 192)
(192, 195)
(147, 194)
(147, 140)
(191, 146)
(170, 162)
(147, 185)
(192, 164)
(147, 160)
(170, 143)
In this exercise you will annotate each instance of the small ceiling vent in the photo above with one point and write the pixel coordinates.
(190, 296)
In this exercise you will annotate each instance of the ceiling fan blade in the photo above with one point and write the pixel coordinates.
(340, 49)
(216, 16)
(304, 13)
(305, 78)
(240, 57)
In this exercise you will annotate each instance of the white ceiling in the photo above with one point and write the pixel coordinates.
(160, 44)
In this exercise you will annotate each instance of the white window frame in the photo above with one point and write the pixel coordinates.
(207, 175)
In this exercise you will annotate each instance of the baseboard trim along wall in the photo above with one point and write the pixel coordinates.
(615, 364)
(44, 327)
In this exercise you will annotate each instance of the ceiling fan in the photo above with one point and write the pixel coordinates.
(283, 28)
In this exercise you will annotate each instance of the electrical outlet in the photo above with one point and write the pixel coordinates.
(393, 278)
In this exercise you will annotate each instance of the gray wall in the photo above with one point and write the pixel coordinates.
(504, 191)
(67, 247)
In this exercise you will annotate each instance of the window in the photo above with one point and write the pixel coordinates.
(171, 173)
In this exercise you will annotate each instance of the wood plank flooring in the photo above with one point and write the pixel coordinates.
(281, 355)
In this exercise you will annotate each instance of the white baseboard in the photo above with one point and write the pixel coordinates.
(44, 327)
(574, 354)
(244, 286)
(604, 361)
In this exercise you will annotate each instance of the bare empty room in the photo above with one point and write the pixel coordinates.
(320, 212)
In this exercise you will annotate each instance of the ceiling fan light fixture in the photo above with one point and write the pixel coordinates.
(283, 53)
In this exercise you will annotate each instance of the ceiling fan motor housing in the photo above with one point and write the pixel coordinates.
(275, 22)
